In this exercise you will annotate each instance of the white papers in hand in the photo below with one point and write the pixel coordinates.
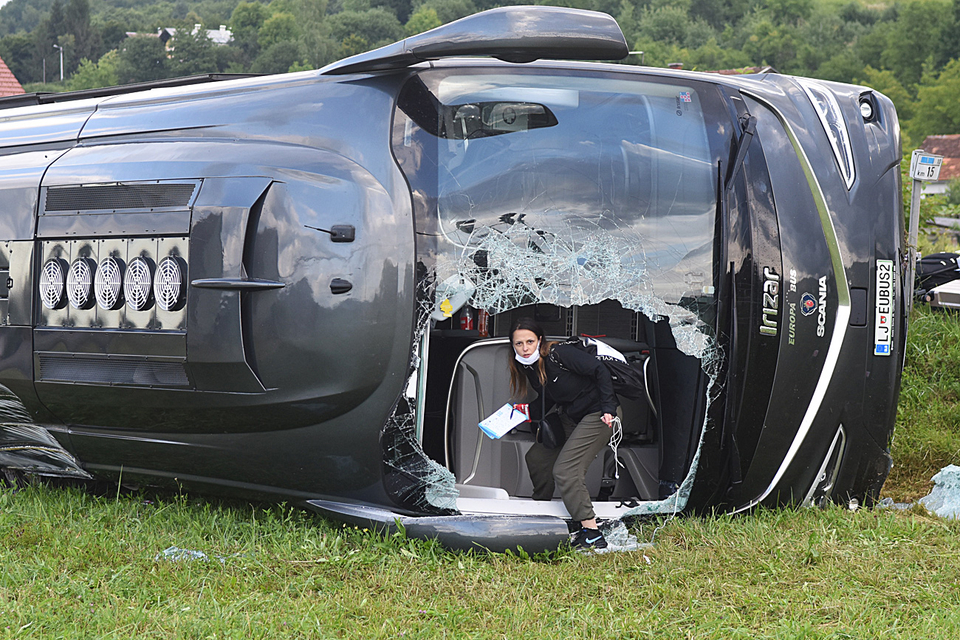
(503, 420)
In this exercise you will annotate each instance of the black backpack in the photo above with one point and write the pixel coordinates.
(627, 374)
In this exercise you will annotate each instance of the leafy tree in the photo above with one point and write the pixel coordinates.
(772, 44)
(192, 53)
(833, 39)
(352, 45)
(280, 27)
(950, 36)
(823, 35)
(855, 12)
(318, 47)
(657, 54)
(47, 34)
(712, 57)
(449, 10)
(483, 5)
(313, 38)
(423, 19)
(788, 11)
(937, 108)
(278, 58)
(953, 192)
(245, 23)
(915, 39)
(672, 25)
(17, 51)
(870, 46)
(353, 5)
(376, 26)
(628, 16)
(141, 59)
(76, 20)
(94, 75)
(112, 34)
(721, 13)
(844, 66)
(23, 16)
(299, 66)
(400, 8)
(664, 24)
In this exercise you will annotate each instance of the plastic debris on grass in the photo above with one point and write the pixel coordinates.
(176, 554)
(944, 500)
(888, 503)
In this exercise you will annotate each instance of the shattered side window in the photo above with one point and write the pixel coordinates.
(565, 188)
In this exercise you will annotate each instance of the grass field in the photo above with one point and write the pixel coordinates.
(76, 565)
(927, 436)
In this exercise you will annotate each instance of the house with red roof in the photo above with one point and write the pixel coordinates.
(9, 85)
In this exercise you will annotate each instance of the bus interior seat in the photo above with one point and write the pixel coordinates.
(481, 384)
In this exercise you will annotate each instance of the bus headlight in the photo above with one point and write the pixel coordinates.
(825, 104)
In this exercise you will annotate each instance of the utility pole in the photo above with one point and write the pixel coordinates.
(60, 49)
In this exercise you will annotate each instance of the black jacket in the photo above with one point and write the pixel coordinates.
(578, 382)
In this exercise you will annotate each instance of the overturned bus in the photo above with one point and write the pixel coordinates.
(299, 287)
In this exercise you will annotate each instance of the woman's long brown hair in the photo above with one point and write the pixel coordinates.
(518, 379)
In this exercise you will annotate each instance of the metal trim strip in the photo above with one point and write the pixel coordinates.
(236, 284)
(843, 306)
(839, 438)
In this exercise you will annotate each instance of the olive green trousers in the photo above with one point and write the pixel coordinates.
(566, 468)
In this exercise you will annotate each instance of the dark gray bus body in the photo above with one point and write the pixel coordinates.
(258, 287)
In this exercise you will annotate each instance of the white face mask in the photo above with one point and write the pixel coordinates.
(533, 357)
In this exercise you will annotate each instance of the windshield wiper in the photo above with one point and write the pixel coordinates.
(749, 125)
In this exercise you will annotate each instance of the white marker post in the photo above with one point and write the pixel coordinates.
(924, 167)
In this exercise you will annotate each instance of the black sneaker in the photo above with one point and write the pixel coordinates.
(587, 539)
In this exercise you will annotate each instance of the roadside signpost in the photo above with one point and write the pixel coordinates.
(924, 167)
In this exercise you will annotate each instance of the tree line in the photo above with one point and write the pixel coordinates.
(909, 50)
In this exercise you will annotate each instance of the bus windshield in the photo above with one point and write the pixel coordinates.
(547, 186)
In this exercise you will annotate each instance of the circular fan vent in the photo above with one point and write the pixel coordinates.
(80, 283)
(138, 284)
(108, 283)
(52, 277)
(168, 285)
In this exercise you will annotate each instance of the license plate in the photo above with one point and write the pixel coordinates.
(885, 297)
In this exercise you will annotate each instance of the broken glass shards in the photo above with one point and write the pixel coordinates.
(412, 478)
(28, 447)
(613, 202)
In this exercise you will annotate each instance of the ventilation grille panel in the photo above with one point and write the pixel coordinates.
(59, 367)
(114, 197)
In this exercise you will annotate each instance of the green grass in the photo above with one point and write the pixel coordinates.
(76, 565)
(927, 435)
